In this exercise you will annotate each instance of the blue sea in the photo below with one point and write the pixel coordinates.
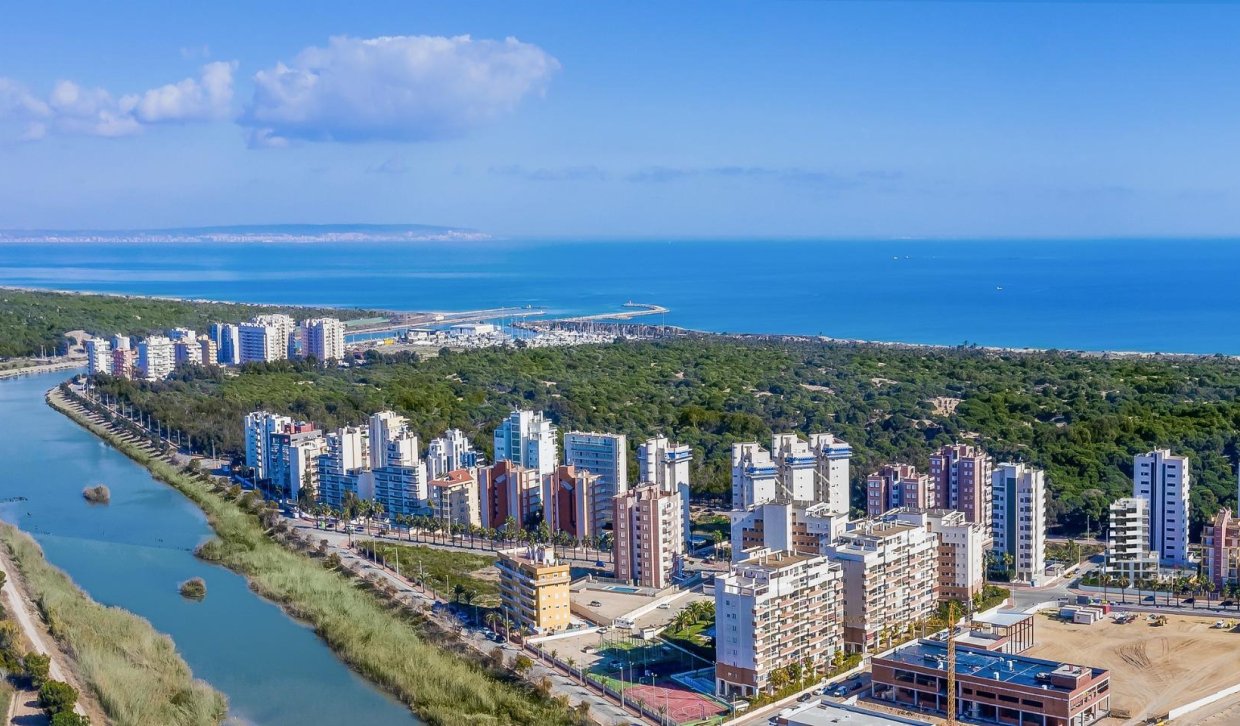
(1134, 295)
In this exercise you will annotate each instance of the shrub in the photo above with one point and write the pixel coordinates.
(194, 588)
(57, 696)
(98, 494)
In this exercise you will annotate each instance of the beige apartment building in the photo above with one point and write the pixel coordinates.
(533, 589)
(961, 554)
(890, 577)
(649, 535)
(803, 527)
(454, 498)
(773, 610)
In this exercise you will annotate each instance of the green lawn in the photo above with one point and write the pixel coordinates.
(692, 639)
(441, 569)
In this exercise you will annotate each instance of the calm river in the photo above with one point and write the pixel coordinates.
(134, 552)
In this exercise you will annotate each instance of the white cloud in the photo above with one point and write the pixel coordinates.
(73, 109)
(405, 88)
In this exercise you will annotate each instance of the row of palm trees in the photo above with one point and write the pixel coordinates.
(1180, 588)
(426, 528)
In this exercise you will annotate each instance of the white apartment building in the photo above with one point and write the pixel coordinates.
(803, 527)
(324, 339)
(259, 344)
(450, 452)
(773, 610)
(293, 462)
(98, 356)
(528, 439)
(286, 330)
(793, 470)
(607, 457)
(649, 536)
(187, 351)
(398, 475)
(890, 578)
(156, 358)
(228, 343)
(755, 476)
(347, 455)
(1129, 557)
(962, 550)
(1018, 521)
(661, 462)
(834, 457)
(1163, 480)
(120, 342)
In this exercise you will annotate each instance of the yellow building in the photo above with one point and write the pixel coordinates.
(534, 589)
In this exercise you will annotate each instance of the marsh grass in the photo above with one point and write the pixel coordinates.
(429, 671)
(134, 671)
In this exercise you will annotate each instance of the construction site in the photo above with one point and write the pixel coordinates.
(1157, 663)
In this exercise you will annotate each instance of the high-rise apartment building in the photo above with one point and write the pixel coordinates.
(324, 339)
(534, 589)
(1129, 558)
(890, 579)
(962, 550)
(755, 476)
(772, 610)
(259, 344)
(286, 330)
(397, 472)
(260, 427)
(831, 485)
(347, 455)
(1221, 548)
(649, 536)
(661, 462)
(187, 351)
(528, 439)
(228, 342)
(450, 452)
(208, 351)
(961, 477)
(898, 485)
(792, 470)
(98, 356)
(509, 490)
(1163, 480)
(570, 496)
(1018, 521)
(607, 457)
(293, 462)
(123, 361)
(155, 358)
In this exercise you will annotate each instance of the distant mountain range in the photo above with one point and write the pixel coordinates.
(260, 233)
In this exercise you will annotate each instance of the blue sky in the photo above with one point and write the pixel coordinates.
(626, 119)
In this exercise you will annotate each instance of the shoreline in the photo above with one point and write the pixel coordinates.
(622, 321)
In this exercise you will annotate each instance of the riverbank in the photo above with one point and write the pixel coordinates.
(126, 672)
(391, 646)
(64, 364)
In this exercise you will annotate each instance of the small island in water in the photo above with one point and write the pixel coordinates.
(194, 588)
(98, 494)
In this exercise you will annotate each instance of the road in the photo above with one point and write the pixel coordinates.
(25, 709)
(603, 710)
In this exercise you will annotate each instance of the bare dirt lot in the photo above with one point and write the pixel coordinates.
(1153, 669)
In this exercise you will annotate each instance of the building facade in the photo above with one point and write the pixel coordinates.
(156, 358)
(962, 550)
(528, 439)
(799, 527)
(1018, 521)
(998, 688)
(454, 498)
(898, 485)
(831, 486)
(98, 356)
(509, 490)
(324, 339)
(570, 496)
(961, 478)
(773, 610)
(1163, 480)
(534, 589)
(649, 536)
(1129, 558)
(890, 580)
(450, 452)
(259, 344)
(345, 457)
(607, 457)
(662, 462)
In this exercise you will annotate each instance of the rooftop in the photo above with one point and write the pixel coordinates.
(453, 478)
(1003, 618)
(1005, 667)
(829, 713)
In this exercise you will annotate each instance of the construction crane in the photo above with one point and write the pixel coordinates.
(951, 663)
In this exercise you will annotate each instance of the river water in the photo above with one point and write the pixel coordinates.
(135, 551)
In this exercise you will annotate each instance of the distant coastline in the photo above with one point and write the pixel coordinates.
(247, 234)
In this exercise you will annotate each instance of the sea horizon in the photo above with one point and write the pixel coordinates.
(1116, 295)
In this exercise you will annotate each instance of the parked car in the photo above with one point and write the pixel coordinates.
(840, 691)
(805, 697)
(668, 606)
(596, 604)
